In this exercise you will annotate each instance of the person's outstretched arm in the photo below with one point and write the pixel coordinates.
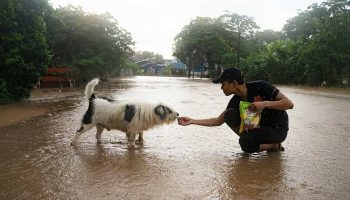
(185, 121)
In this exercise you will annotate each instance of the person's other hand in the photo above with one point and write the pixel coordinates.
(184, 121)
(258, 105)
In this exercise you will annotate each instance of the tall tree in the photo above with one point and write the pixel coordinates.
(204, 40)
(242, 25)
(322, 32)
(279, 61)
(93, 45)
(338, 37)
(23, 49)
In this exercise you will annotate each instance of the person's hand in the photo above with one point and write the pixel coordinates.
(258, 105)
(184, 121)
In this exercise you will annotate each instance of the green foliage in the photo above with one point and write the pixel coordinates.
(323, 32)
(279, 61)
(218, 42)
(204, 40)
(34, 35)
(263, 38)
(135, 68)
(93, 45)
(229, 59)
(243, 26)
(313, 47)
(149, 56)
(254, 67)
(5, 96)
(23, 49)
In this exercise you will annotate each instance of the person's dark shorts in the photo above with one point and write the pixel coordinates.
(250, 140)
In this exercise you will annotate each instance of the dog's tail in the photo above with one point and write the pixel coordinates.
(89, 89)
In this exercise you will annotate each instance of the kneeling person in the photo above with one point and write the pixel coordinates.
(264, 97)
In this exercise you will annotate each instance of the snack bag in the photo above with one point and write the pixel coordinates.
(250, 119)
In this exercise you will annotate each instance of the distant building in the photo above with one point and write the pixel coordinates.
(169, 67)
(177, 68)
(200, 70)
(151, 68)
(57, 77)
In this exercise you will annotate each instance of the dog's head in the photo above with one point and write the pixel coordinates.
(165, 113)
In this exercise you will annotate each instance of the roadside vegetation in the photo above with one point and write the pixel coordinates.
(35, 36)
(313, 47)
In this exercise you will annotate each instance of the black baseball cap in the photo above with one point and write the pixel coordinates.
(230, 74)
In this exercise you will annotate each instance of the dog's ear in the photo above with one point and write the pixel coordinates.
(160, 111)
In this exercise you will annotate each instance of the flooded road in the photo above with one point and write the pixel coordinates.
(175, 162)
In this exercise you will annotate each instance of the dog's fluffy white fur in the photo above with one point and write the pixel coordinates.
(130, 117)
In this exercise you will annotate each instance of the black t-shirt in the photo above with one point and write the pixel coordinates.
(263, 91)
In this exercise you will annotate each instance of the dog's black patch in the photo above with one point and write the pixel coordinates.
(168, 110)
(160, 111)
(129, 112)
(87, 119)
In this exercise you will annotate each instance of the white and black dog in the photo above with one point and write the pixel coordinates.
(130, 117)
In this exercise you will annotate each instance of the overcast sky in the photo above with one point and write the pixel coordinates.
(153, 24)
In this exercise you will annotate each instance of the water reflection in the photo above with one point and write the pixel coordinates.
(37, 162)
(256, 176)
(111, 170)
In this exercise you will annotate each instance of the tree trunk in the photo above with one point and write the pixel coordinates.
(189, 69)
(238, 48)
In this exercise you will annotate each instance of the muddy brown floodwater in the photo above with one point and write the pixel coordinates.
(192, 162)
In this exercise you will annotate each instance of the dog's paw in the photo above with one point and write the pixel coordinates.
(115, 142)
(140, 142)
(131, 145)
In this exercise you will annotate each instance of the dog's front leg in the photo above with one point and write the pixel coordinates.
(140, 139)
(131, 139)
